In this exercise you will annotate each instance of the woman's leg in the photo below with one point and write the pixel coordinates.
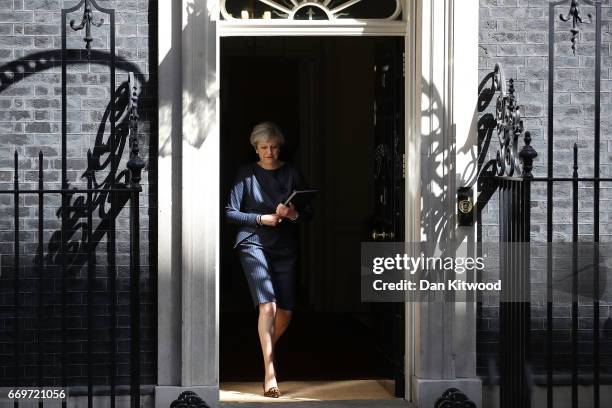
(281, 322)
(265, 327)
(284, 276)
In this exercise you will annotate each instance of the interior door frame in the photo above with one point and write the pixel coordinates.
(408, 29)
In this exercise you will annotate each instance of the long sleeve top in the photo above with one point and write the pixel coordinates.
(257, 191)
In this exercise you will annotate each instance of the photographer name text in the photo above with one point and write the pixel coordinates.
(425, 285)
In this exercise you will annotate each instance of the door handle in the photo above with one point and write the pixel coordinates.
(382, 236)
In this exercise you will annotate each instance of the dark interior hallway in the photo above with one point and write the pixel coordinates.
(321, 92)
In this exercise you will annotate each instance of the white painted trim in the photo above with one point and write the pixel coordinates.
(439, 151)
(200, 196)
(169, 215)
(286, 28)
(412, 120)
(408, 28)
(465, 121)
(188, 292)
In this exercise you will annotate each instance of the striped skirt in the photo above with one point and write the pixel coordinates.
(270, 272)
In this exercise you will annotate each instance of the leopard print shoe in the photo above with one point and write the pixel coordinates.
(273, 392)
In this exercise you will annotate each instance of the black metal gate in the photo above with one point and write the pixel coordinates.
(515, 360)
(43, 289)
(510, 175)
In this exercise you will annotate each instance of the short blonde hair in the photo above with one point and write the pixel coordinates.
(266, 131)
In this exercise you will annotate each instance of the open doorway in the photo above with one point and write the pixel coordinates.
(343, 121)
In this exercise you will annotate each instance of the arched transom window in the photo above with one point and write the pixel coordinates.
(311, 9)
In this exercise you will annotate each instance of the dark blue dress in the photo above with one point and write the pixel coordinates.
(268, 254)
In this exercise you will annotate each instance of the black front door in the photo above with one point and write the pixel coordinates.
(388, 219)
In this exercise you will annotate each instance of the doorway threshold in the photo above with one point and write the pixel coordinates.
(358, 393)
(396, 403)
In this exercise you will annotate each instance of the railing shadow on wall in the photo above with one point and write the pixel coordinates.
(438, 216)
(19, 70)
(486, 127)
(436, 221)
(68, 247)
(112, 176)
(486, 190)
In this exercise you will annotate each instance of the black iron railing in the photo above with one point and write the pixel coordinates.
(574, 14)
(516, 372)
(509, 173)
(513, 178)
(87, 217)
(130, 191)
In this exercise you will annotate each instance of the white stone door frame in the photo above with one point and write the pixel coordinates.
(289, 28)
(441, 148)
(188, 181)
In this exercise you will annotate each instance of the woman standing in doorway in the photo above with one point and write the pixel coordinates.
(266, 241)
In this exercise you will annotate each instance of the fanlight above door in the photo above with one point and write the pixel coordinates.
(311, 9)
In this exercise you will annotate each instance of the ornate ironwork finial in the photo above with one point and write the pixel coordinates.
(87, 22)
(135, 164)
(574, 14)
(527, 155)
(453, 397)
(509, 124)
(188, 399)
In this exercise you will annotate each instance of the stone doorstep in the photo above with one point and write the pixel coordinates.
(396, 403)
